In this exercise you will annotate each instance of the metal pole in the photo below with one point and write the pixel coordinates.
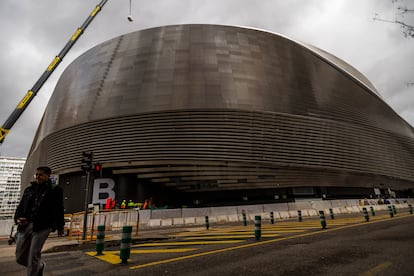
(136, 231)
(85, 214)
(93, 224)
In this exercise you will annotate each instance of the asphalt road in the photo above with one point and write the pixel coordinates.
(383, 247)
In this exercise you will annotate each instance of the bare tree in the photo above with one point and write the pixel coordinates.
(400, 19)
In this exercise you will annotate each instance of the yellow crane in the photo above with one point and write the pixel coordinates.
(5, 128)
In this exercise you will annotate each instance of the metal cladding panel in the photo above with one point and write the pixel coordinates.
(184, 94)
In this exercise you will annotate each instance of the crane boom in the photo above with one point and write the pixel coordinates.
(4, 130)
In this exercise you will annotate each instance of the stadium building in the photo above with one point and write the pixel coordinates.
(209, 115)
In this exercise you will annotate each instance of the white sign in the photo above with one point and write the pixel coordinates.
(102, 189)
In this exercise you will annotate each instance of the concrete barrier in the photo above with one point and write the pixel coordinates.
(233, 218)
(178, 221)
(222, 211)
(284, 215)
(313, 212)
(196, 216)
(155, 222)
(200, 220)
(293, 214)
(223, 218)
(167, 222)
(166, 213)
(303, 205)
(250, 209)
(195, 212)
(265, 216)
(189, 221)
(5, 227)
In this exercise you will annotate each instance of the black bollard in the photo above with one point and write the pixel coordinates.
(365, 212)
(100, 240)
(244, 219)
(331, 213)
(125, 250)
(390, 211)
(372, 211)
(394, 209)
(257, 227)
(322, 218)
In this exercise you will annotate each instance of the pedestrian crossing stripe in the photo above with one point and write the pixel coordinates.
(114, 258)
(229, 236)
(109, 258)
(235, 234)
(166, 250)
(186, 243)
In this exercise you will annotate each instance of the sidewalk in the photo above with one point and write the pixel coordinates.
(59, 244)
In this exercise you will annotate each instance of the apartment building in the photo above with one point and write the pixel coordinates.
(10, 180)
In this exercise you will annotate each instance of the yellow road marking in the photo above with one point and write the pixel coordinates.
(240, 232)
(113, 257)
(143, 251)
(373, 271)
(110, 258)
(230, 237)
(170, 250)
(186, 243)
(256, 244)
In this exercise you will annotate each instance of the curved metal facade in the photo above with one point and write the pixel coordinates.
(207, 108)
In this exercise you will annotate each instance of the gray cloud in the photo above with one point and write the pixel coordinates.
(33, 32)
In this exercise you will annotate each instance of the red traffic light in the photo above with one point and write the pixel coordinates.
(97, 167)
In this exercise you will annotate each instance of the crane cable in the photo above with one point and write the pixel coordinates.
(130, 18)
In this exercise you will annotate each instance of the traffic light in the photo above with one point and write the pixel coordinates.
(86, 164)
(97, 168)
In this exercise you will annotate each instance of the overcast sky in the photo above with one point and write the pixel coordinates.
(34, 32)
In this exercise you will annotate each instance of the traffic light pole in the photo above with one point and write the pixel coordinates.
(85, 215)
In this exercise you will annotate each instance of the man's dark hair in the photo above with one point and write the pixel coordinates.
(45, 169)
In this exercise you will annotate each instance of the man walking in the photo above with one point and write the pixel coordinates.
(40, 211)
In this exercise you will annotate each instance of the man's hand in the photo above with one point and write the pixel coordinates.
(21, 221)
(60, 232)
